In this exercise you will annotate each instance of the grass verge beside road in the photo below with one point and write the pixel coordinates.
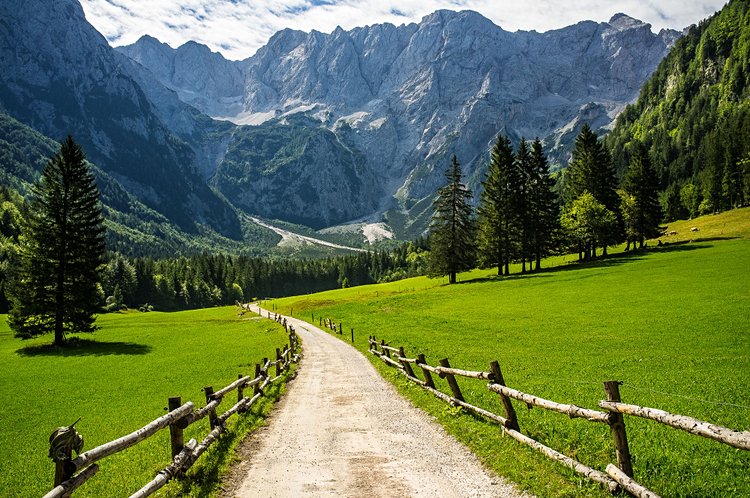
(670, 322)
(119, 379)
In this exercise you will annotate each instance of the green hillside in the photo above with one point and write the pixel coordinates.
(118, 381)
(132, 227)
(694, 117)
(670, 322)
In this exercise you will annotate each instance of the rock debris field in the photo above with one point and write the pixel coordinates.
(342, 430)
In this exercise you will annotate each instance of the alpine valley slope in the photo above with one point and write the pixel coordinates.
(357, 123)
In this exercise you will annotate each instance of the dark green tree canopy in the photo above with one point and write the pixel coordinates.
(642, 184)
(452, 228)
(62, 251)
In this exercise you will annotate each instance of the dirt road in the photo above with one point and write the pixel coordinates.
(344, 431)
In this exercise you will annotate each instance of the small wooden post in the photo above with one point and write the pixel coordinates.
(510, 412)
(209, 390)
(278, 362)
(256, 387)
(427, 375)
(407, 367)
(617, 428)
(387, 353)
(240, 390)
(452, 380)
(341, 329)
(320, 321)
(61, 474)
(291, 312)
(175, 433)
(352, 335)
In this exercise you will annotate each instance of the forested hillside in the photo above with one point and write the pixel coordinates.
(693, 115)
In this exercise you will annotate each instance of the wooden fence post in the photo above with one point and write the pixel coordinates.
(278, 362)
(407, 367)
(352, 335)
(617, 428)
(240, 390)
(510, 412)
(320, 321)
(452, 380)
(387, 353)
(256, 387)
(341, 329)
(209, 390)
(427, 375)
(176, 439)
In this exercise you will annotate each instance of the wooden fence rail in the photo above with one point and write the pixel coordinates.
(617, 477)
(72, 473)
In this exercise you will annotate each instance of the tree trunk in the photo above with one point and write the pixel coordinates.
(604, 250)
(452, 277)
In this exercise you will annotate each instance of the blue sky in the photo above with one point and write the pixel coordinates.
(237, 28)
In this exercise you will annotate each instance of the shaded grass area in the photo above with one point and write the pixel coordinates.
(119, 379)
(670, 322)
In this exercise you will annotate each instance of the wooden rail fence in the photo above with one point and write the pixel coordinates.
(616, 477)
(71, 473)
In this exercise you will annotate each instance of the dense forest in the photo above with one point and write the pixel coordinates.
(210, 279)
(693, 116)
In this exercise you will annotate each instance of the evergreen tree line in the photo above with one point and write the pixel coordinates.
(525, 213)
(210, 280)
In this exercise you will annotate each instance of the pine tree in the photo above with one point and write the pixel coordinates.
(591, 171)
(521, 202)
(642, 183)
(544, 208)
(56, 289)
(452, 228)
(494, 208)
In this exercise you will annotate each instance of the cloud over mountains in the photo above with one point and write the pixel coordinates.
(237, 28)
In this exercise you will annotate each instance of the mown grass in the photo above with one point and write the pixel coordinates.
(670, 322)
(118, 380)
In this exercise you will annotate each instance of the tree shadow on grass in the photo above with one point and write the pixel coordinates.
(85, 347)
(603, 261)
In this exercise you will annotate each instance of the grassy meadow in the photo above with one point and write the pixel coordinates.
(119, 379)
(671, 322)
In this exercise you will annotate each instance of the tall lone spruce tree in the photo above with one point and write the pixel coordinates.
(62, 251)
(452, 228)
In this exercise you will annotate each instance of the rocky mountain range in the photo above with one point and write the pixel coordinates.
(319, 129)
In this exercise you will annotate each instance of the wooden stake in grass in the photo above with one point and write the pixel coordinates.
(278, 362)
(427, 375)
(176, 438)
(209, 390)
(510, 412)
(240, 390)
(452, 381)
(407, 367)
(617, 428)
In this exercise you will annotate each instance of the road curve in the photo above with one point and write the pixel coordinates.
(342, 430)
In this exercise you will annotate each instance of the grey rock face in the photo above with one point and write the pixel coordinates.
(61, 77)
(409, 96)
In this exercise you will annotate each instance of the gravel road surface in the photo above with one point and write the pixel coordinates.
(342, 430)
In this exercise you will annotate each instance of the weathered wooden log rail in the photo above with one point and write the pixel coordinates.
(616, 477)
(72, 473)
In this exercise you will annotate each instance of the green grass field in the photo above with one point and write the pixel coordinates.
(119, 383)
(671, 322)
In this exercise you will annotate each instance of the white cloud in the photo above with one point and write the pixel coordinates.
(237, 28)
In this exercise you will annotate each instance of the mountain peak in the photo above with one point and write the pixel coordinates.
(622, 22)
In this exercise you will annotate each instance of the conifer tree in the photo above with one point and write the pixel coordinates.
(521, 202)
(544, 209)
(56, 288)
(591, 171)
(494, 237)
(452, 228)
(642, 183)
